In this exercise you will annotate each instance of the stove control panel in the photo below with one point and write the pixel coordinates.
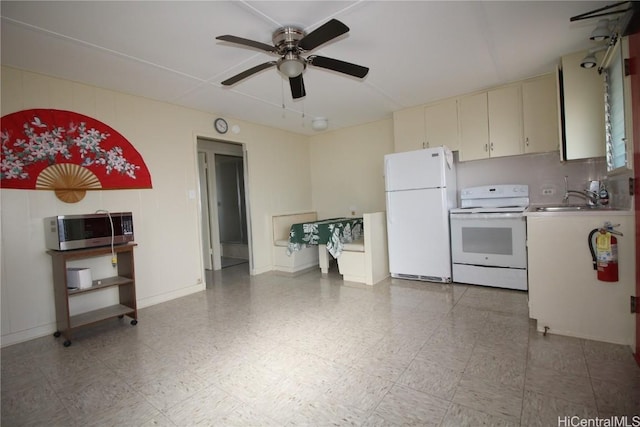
(501, 195)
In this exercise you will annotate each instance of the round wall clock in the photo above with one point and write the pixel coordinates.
(221, 125)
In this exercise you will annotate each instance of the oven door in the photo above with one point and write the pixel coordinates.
(489, 239)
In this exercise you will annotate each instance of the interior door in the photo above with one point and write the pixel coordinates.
(634, 55)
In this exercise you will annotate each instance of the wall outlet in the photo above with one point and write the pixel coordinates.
(548, 191)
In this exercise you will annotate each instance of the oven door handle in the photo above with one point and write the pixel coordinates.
(496, 216)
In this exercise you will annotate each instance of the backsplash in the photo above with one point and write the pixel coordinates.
(618, 187)
(542, 172)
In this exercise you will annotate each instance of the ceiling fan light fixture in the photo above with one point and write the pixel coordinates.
(291, 65)
(601, 32)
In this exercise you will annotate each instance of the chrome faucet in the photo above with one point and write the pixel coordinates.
(587, 195)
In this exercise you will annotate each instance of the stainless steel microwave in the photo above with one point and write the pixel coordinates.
(66, 232)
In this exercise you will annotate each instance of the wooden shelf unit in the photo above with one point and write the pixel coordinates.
(125, 281)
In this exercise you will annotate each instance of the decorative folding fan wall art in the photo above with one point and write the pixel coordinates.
(67, 152)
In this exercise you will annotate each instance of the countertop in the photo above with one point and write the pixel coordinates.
(532, 212)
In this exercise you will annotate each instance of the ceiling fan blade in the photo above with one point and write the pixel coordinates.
(339, 66)
(322, 34)
(246, 73)
(297, 87)
(247, 42)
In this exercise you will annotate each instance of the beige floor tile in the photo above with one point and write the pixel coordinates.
(387, 366)
(311, 350)
(205, 407)
(614, 398)
(358, 389)
(489, 397)
(458, 416)
(431, 377)
(36, 404)
(451, 355)
(167, 390)
(244, 416)
(403, 406)
(541, 410)
(97, 396)
(574, 388)
(134, 410)
(494, 365)
(563, 354)
(623, 370)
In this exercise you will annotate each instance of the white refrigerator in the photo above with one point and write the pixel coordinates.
(420, 189)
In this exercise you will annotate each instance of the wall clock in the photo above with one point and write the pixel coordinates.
(221, 125)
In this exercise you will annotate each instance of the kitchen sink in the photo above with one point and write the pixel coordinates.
(570, 208)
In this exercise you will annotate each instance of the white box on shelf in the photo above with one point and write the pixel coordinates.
(79, 278)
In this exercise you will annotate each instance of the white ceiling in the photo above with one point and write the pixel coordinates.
(417, 51)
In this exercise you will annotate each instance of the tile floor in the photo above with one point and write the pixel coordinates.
(276, 350)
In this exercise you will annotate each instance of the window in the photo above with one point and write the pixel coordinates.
(615, 137)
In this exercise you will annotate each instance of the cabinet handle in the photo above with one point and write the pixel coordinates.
(492, 146)
(526, 141)
(486, 147)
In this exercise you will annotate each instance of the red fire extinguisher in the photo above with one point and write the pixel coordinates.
(605, 253)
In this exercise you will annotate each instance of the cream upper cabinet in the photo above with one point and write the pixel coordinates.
(491, 124)
(582, 98)
(505, 121)
(474, 127)
(408, 129)
(540, 114)
(441, 124)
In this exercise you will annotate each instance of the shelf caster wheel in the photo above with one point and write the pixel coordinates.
(121, 316)
(134, 322)
(67, 343)
(56, 334)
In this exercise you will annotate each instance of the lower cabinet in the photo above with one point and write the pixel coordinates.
(124, 281)
(565, 295)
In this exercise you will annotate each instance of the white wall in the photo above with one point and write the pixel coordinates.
(166, 219)
(347, 169)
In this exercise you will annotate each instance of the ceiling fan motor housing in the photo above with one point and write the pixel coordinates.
(286, 39)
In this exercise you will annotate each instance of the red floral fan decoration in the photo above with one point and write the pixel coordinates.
(68, 153)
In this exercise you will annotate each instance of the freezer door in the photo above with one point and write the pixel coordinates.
(418, 233)
(416, 169)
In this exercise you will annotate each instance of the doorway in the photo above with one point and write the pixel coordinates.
(225, 231)
(232, 212)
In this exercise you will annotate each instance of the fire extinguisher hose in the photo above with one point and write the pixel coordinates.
(593, 252)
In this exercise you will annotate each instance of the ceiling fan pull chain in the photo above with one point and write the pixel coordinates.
(282, 94)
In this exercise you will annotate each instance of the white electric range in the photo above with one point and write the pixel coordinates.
(488, 236)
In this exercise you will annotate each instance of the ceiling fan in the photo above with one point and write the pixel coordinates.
(290, 43)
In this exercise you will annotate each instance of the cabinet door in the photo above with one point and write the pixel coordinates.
(474, 127)
(441, 124)
(408, 129)
(505, 121)
(540, 115)
(583, 97)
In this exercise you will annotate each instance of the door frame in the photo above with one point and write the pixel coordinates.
(634, 58)
(211, 146)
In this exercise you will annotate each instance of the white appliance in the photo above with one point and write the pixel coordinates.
(489, 236)
(420, 189)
